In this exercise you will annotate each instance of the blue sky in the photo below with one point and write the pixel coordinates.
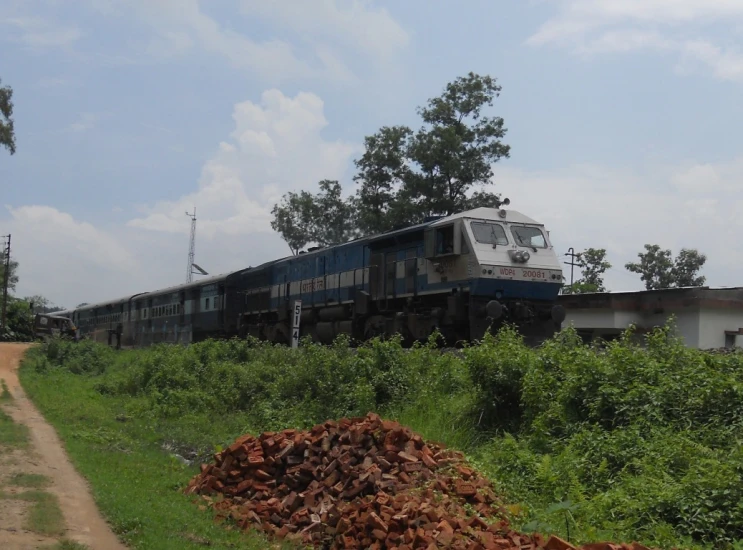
(623, 118)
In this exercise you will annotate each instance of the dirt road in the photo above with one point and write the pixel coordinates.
(43, 456)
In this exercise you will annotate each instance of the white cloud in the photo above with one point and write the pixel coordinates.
(38, 33)
(692, 206)
(355, 23)
(63, 258)
(276, 146)
(320, 33)
(592, 27)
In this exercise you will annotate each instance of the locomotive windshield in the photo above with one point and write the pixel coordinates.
(489, 233)
(528, 236)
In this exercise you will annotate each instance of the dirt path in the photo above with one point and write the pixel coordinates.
(44, 456)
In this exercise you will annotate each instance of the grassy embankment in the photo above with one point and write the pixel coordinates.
(618, 444)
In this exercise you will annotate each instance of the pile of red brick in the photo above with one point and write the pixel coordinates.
(360, 483)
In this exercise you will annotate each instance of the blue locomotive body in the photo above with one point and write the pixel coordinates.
(461, 274)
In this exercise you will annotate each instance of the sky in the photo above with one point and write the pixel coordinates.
(623, 118)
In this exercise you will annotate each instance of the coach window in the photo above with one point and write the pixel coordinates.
(207, 304)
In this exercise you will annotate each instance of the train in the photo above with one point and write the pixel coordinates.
(463, 275)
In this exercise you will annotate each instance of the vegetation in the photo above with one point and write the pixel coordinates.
(12, 435)
(405, 176)
(45, 516)
(32, 481)
(7, 131)
(622, 442)
(592, 263)
(658, 270)
(20, 311)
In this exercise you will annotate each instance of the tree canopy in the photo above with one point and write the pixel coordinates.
(658, 270)
(404, 176)
(592, 263)
(7, 130)
(324, 218)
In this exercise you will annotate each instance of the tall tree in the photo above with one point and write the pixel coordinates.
(304, 218)
(383, 171)
(687, 265)
(406, 176)
(293, 219)
(592, 263)
(457, 146)
(7, 131)
(334, 218)
(658, 270)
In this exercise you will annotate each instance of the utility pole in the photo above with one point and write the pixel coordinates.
(6, 278)
(572, 264)
(191, 247)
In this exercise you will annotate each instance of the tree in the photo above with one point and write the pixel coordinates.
(383, 171)
(7, 131)
(324, 218)
(293, 219)
(40, 304)
(334, 218)
(13, 275)
(405, 176)
(593, 264)
(658, 270)
(457, 146)
(687, 265)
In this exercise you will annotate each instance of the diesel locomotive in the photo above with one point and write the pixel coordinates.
(463, 274)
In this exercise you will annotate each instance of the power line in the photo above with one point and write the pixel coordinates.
(572, 264)
(191, 247)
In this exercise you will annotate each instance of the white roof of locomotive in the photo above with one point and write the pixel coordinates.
(485, 213)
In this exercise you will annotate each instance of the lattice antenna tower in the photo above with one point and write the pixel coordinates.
(191, 246)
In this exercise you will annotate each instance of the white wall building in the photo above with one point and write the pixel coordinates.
(705, 317)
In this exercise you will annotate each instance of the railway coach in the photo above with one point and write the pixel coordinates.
(463, 274)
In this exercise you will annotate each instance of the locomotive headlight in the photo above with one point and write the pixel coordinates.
(525, 256)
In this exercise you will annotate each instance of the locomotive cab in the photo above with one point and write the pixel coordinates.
(504, 261)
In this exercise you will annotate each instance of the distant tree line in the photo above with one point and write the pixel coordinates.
(405, 176)
(657, 269)
(20, 311)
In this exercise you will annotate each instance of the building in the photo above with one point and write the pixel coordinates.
(705, 317)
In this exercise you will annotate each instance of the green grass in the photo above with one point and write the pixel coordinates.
(12, 435)
(136, 484)
(44, 516)
(4, 391)
(31, 481)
